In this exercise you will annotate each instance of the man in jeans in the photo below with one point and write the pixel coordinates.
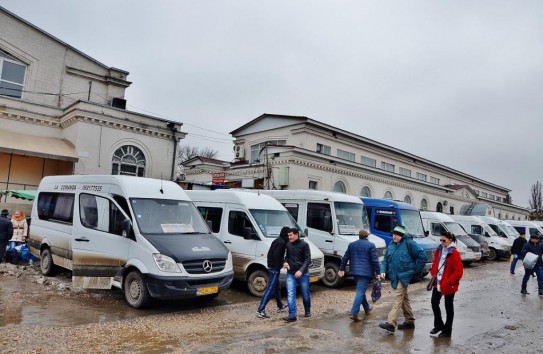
(297, 264)
(536, 247)
(276, 256)
(364, 265)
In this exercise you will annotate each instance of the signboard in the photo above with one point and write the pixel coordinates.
(218, 177)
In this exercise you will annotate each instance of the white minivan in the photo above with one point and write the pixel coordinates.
(247, 223)
(332, 220)
(526, 227)
(434, 222)
(142, 235)
(502, 228)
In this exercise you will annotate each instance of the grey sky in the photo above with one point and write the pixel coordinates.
(456, 82)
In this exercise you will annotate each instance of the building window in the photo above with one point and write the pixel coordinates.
(387, 167)
(498, 199)
(313, 184)
(365, 192)
(421, 176)
(439, 207)
(258, 149)
(451, 210)
(491, 196)
(340, 187)
(407, 199)
(434, 180)
(484, 195)
(12, 76)
(405, 172)
(324, 149)
(476, 191)
(366, 161)
(388, 195)
(423, 204)
(128, 160)
(342, 154)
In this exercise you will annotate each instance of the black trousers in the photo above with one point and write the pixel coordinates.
(3, 245)
(449, 309)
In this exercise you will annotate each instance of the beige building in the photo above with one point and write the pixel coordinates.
(63, 112)
(290, 152)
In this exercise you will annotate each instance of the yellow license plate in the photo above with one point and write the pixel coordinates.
(313, 279)
(208, 290)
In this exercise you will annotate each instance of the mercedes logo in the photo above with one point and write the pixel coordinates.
(311, 264)
(207, 266)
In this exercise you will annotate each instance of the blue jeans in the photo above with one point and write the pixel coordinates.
(538, 270)
(303, 282)
(360, 296)
(514, 263)
(274, 287)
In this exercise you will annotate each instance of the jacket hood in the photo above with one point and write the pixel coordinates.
(284, 233)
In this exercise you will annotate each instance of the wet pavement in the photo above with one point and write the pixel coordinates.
(491, 316)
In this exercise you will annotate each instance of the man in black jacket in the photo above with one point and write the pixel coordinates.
(276, 256)
(6, 233)
(516, 249)
(297, 264)
(536, 247)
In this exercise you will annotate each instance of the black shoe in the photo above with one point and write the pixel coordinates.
(512, 272)
(307, 314)
(289, 319)
(369, 310)
(540, 293)
(435, 331)
(387, 326)
(280, 309)
(406, 325)
(444, 335)
(524, 291)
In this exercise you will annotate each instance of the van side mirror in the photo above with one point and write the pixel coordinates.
(127, 228)
(210, 225)
(247, 233)
(426, 233)
(306, 232)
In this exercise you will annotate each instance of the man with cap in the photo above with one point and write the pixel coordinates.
(6, 232)
(363, 266)
(403, 262)
(534, 246)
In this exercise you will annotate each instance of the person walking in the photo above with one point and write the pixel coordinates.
(276, 256)
(516, 249)
(6, 233)
(364, 265)
(448, 270)
(297, 264)
(403, 262)
(536, 247)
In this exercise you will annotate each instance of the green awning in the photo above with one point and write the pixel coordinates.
(20, 194)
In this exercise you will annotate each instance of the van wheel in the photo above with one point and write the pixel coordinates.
(331, 279)
(47, 267)
(135, 290)
(492, 255)
(258, 282)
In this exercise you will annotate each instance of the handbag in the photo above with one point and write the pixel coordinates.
(529, 261)
(376, 291)
(430, 284)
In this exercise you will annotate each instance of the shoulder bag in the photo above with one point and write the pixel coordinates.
(432, 281)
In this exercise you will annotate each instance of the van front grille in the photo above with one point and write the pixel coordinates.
(475, 249)
(315, 263)
(204, 266)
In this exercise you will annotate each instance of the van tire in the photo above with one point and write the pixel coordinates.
(331, 278)
(135, 290)
(492, 255)
(47, 267)
(258, 282)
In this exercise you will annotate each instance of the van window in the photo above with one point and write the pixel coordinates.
(56, 207)
(319, 216)
(534, 231)
(476, 229)
(521, 230)
(271, 222)
(214, 215)
(237, 222)
(293, 209)
(351, 217)
(384, 223)
(436, 228)
(100, 214)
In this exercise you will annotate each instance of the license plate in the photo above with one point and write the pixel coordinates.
(477, 258)
(208, 290)
(313, 279)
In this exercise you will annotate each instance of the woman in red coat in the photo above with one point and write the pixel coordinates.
(448, 269)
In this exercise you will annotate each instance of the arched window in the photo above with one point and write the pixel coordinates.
(128, 160)
(366, 192)
(340, 187)
(388, 195)
(500, 216)
(423, 205)
(407, 199)
(506, 216)
(439, 207)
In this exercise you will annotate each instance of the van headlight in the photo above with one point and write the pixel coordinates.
(229, 264)
(165, 263)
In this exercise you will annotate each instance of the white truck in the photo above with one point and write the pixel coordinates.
(141, 235)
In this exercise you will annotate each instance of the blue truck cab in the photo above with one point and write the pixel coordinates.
(385, 214)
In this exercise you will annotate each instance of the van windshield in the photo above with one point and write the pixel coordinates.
(490, 231)
(270, 222)
(512, 230)
(164, 216)
(455, 228)
(351, 218)
(412, 223)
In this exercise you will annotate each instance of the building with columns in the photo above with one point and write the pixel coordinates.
(63, 112)
(293, 152)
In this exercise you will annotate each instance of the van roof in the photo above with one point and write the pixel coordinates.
(312, 195)
(469, 218)
(436, 215)
(522, 223)
(245, 198)
(383, 203)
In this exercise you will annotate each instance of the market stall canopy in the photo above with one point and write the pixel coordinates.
(31, 145)
(20, 194)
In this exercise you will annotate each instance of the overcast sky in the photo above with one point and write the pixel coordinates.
(456, 82)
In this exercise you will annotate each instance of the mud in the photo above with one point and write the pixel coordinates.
(46, 315)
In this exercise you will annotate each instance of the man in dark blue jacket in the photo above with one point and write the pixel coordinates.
(364, 265)
(536, 247)
(276, 256)
(6, 233)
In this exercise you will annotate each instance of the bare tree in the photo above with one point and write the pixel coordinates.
(535, 198)
(187, 152)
